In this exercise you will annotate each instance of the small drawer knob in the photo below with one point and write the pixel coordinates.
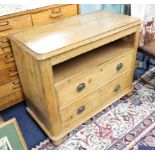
(80, 109)
(80, 87)
(119, 66)
(117, 88)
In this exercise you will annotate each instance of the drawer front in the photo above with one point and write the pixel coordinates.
(11, 99)
(5, 50)
(76, 113)
(14, 24)
(10, 88)
(71, 89)
(8, 75)
(54, 14)
(6, 60)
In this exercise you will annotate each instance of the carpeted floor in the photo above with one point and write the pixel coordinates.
(120, 126)
(128, 123)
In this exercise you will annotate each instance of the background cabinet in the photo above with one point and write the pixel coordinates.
(10, 86)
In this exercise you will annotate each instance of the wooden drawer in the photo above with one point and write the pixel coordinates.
(79, 85)
(54, 14)
(10, 88)
(11, 99)
(99, 99)
(14, 24)
(8, 75)
(6, 60)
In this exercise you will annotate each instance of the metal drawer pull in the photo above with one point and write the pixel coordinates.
(80, 87)
(9, 58)
(4, 25)
(16, 84)
(16, 81)
(6, 44)
(13, 71)
(80, 110)
(119, 66)
(56, 13)
(117, 88)
(4, 40)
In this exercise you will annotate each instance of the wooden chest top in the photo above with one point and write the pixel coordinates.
(50, 40)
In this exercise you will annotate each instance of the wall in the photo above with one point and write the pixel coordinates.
(88, 8)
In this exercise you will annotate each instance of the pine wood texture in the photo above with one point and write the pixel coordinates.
(65, 31)
(13, 24)
(16, 22)
(81, 70)
(9, 74)
(98, 98)
(54, 14)
(76, 68)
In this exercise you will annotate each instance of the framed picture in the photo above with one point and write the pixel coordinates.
(11, 137)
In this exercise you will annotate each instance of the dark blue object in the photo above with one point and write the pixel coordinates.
(32, 133)
(139, 72)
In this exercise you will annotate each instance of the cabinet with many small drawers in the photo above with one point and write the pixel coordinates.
(10, 86)
(88, 67)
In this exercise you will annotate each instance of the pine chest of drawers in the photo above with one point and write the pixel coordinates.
(10, 86)
(75, 68)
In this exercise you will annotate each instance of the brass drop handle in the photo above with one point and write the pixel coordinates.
(80, 87)
(80, 110)
(117, 88)
(119, 66)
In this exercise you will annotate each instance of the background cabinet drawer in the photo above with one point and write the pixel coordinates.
(14, 24)
(89, 105)
(10, 88)
(54, 14)
(11, 99)
(8, 75)
(77, 86)
(6, 60)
